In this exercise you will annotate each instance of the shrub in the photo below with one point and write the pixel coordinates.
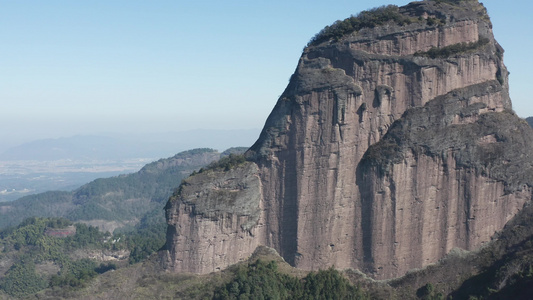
(262, 280)
(453, 2)
(454, 49)
(365, 19)
(21, 279)
(226, 163)
(76, 274)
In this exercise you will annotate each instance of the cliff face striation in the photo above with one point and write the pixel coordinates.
(393, 143)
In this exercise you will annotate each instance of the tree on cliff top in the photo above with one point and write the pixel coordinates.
(365, 19)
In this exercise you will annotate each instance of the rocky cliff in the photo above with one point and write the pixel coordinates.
(393, 143)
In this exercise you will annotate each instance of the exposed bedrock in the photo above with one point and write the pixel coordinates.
(381, 155)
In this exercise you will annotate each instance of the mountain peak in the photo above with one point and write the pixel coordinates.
(384, 152)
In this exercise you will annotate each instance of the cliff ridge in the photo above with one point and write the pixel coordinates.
(393, 143)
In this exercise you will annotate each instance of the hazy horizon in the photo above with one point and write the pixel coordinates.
(218, 139)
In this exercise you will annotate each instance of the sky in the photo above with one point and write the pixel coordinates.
(87, 67)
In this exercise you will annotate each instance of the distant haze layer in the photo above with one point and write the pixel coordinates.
(125, 146)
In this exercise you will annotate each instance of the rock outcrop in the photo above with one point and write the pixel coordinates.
(393, 143)
(215, 221)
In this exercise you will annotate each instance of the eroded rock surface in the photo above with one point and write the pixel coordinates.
(215, 222)
(387, 149)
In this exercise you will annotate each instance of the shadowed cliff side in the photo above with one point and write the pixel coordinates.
(387, 149)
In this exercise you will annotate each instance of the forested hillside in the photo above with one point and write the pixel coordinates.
(42, 248)
(55, 253)
(123, 201)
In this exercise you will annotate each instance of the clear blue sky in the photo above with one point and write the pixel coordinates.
(80, 67)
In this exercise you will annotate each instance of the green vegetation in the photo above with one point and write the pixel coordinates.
(375, 17)
(76, 274)
(234, 150)
(226, 163)
(21, 279)
(262, 280)
(259, 280)
(148, 237)
(454, 49)
(432, 21)
(45, 204)
(381, 152)
(453, 2)
(428, 292)
(330, 284)
(28, 249)
(29, 245)
(365, 19)
(145, 191)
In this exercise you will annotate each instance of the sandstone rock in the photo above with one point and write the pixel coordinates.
(216, 219)
(376, 157)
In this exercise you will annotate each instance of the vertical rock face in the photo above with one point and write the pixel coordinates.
(390, 146)
(215, 221)
(445, 175)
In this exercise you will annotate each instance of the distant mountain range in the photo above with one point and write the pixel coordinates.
(64, 164)
(125, 146)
